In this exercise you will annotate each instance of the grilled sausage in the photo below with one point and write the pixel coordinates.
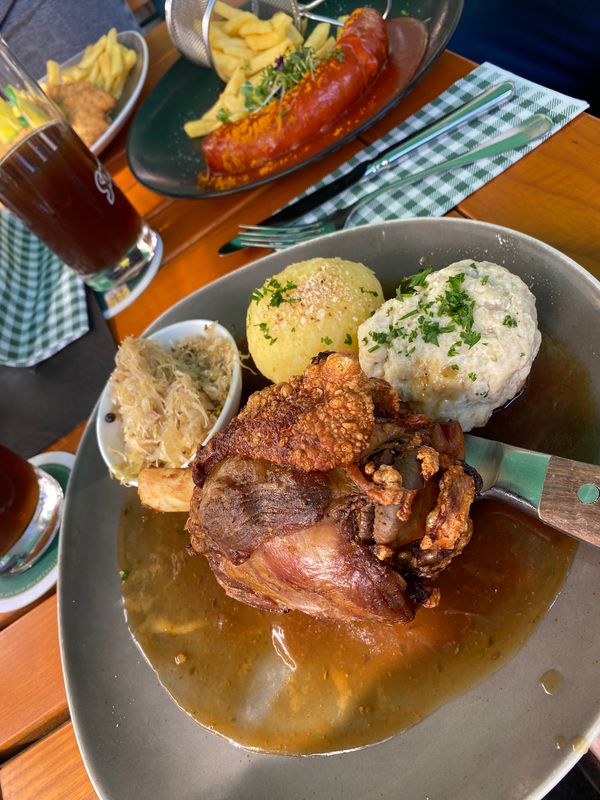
(312, 105)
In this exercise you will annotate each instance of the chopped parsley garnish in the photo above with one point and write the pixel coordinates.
(410, 314)
(223, 115)
(372, 349)
(470, 338)
(348, 339)
(430, 330)
(368, 291)
(455, 304)
(408, 285)
(482, 394)
(455, 367)
(484, 279)
(326, 340)
(380, 337)
(473, 376)
(509, 321)
(123, 574)
(265, 331)
(419, 278)
(396, 332)
(276, 293)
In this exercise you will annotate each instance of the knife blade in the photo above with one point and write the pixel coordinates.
(563, 493)
(483, 102)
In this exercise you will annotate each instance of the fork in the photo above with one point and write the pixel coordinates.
(279, 237)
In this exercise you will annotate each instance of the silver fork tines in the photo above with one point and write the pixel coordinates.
(278, 237)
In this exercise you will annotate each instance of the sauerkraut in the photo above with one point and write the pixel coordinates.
(168, 399)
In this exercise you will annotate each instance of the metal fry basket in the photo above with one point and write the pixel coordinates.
(188, 22)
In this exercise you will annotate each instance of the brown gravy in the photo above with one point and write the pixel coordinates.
(289, 683)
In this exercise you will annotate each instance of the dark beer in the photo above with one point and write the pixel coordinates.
(63, 194)
(19, 492)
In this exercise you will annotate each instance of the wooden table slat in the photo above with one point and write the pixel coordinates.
(51, 769)
(31, 682)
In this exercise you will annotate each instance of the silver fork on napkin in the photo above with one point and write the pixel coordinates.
(287, 235)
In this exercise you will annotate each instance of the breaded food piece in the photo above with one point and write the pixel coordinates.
(319, 420)
(85, 107)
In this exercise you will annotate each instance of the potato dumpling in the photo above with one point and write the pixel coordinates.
(306, 308)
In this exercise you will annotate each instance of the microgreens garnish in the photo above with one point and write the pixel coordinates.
(281, 76)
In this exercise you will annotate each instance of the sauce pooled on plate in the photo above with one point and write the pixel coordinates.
(290, 683)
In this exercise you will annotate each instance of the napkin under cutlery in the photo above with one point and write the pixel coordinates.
(436, 195)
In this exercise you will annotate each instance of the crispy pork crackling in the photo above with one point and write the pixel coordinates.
(327, 495)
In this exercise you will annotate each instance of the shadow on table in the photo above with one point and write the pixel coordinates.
(40, 404)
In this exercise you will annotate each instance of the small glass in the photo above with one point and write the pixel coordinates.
(30, 509)
(60, 190)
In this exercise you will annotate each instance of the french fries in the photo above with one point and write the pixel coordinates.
(242, 46)
(106, 64)
(241, 39)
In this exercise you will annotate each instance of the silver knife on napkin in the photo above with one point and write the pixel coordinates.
(562, 493)
(490, 98)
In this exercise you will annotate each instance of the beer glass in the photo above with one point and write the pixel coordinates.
(60, 190)
(30, 509)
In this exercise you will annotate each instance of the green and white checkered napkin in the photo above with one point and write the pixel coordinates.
(436, 195)
(42, 303)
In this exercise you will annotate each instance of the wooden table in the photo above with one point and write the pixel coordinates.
(553, 194)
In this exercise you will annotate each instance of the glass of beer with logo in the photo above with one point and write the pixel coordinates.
(60, 190)
(30, 509)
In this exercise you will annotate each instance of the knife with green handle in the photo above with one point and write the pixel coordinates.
(562, 493)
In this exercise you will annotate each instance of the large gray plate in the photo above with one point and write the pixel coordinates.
(495, 742)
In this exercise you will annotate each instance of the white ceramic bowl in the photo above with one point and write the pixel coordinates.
(131, 90)
(110, 434)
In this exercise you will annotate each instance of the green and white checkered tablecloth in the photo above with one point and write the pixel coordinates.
(42, 303)
(436, 195)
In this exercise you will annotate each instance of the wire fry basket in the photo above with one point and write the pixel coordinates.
(188, 22)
